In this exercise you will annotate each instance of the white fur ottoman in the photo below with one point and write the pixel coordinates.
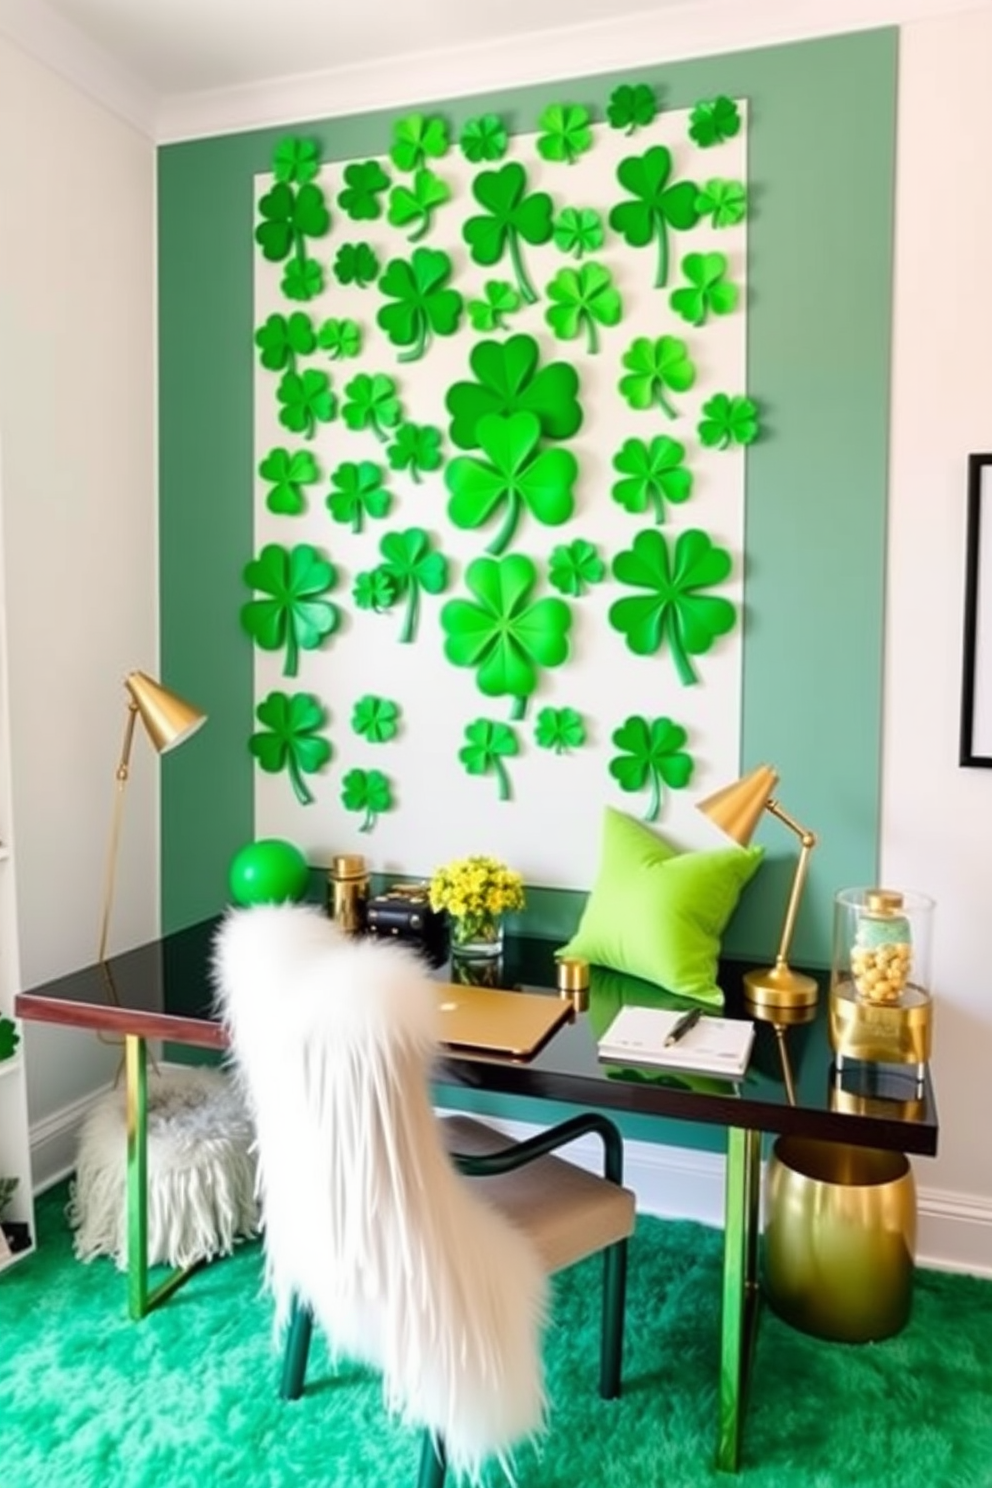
(201, 1171)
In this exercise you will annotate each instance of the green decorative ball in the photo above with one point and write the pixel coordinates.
(268, 872)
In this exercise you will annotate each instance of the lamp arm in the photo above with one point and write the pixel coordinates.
(808, 841)
(115, 827)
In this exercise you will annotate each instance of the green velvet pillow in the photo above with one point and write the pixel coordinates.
(658, 913)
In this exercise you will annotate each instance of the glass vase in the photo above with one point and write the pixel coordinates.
(476, 937)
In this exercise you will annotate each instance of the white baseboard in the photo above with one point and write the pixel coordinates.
(54, 1139)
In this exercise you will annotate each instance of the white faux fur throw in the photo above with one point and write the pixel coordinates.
(404, 1263)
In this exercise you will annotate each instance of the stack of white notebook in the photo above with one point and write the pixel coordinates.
(713, 1046)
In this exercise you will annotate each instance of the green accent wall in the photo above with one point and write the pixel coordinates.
(821, 166)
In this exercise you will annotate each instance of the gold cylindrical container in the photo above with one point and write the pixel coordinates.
(348, 892)
(840, 1238)
(573, 981)
(881, 1009)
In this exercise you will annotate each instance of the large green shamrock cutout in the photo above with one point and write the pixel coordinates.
(377, 719)
(567, 133)
(340, 338)
(578, 230)
(508, 381)
(282, 339)
(728, 420)
(417, 448)
(372, 404)
(290, 741)
(723, 202)
(484, 138)
(295, 160)
(416, 204)
(559, 729)
(631, 106)
(653, 366)
(424, 303)
(358, 493)
(288, 474)
(356, 263)
(713, 121)
(296, 615)
(291, 215)
(652, 755)
(505, 635)
(500, 299)
(487, 745)
(653, 473)
(368, 791)
(517, 473)
(656, 207)
(583, 297)
(417, 139)
(708, 288)
(365, 181)
(572, 568)
(409, 565)
(673, 610)
(307, 400)
(511, 216)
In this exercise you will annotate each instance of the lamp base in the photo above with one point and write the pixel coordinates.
(780, 987)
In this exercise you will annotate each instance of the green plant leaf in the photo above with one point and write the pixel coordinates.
(631, 106)
(501, 299)
(506, 635)
(654, 366)
(509, 381)
(578, 230)
(282, 339)
(375, 590)
(708, 290)
(296, 160)
(559, 729)
(583, 297)
(572, 568)
(377, 719)
(424, 304)
(413, 567)
(358, 493)
(416, 204)
(296, 615)
(307, 399)
(290, 740)
(727, 421)
(417, 448)
(724, 202)
(567, 133)
(517, 474)
(484, 138)
(372, 404)
(486, 746)
(656, 206)
(714, 120)
(418, 138)
(652, 754)
(355, 263)
(288, 473)
(340, 339)
(368, 791)
(365, 181)
(653, 473)
(673, 609)
(510, 216)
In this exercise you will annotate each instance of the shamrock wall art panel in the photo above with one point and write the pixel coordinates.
(501, 422)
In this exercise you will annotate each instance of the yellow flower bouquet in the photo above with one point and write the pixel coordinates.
(476, 892)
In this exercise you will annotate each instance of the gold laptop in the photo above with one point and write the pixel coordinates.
(485, 1020)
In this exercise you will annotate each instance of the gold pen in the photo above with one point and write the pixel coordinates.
(682, 1027)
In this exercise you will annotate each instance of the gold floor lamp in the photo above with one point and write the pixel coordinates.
(168, 721)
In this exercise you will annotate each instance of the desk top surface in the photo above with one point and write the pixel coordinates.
(162, 990)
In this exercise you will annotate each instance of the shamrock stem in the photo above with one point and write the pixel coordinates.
(661, 278)
(519, 707)
(592, 340)
(664, 402)
(655, 802)
(418, 232)
(292, 654)
(417, 351)
(410, 620)
(378, 430)
(298, 783)
(683, 665)
(509, 526)
(502, 778)
(523, 283)
(369, 821)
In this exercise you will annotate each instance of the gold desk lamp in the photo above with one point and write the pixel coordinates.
(168, 721)
(737, 810)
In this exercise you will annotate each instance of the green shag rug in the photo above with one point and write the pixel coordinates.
(188, 1397)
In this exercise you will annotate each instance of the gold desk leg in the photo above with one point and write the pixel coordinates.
(740, 1289)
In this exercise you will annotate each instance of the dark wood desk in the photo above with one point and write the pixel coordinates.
(162, 991)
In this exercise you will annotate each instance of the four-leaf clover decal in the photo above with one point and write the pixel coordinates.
(290, 739)
(672, 609)
(377, 719)
(728, 420)
(652, 755)
(573, 567)
(567, 133)
(296, 615)
(559, 729)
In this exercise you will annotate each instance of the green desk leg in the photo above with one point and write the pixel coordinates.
(140, 1300)
(740, 1289)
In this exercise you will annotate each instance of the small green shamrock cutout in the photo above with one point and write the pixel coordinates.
(359, 492)
(9, 1037)
(578, 230)
(372, 404)
(517, 473)
(340, 339)
(559, 729)
(282, 339)
(376, 719)
(374, 590)
(501, 299)
(724, 202)
(296, 615)
(487, 745)
(727, 421)
(656, 207)
(365, 181)
(295, 160)
(572, 568)
(581, 297)
(288, 474)
(303, 279)
(291, 215)
(411, 566)
(631, 106)
(509, 380)
(425, 305)
(652, 367)
(652, 755)
(307, 400)
(484, 138)
(511, 216)
(714, 120)
(417, 448)
(707, 291)
(355, 263)
(290, 741)
(567, 133)
(654, 474)
(416, 204)
(506, 635)
(417, 139)
(673, 610)
(368, 791)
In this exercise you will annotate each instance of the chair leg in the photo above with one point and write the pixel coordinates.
(294, 1364)
(614, 1306)
(433, 1462)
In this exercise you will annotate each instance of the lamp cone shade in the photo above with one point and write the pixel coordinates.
(168, 719)
(737, 808)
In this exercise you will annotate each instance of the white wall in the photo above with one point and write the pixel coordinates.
(77, 413)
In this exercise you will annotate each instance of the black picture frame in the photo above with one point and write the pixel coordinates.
(976, 700)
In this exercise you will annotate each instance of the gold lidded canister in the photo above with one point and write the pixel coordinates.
(348, 892)
(573, 981)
